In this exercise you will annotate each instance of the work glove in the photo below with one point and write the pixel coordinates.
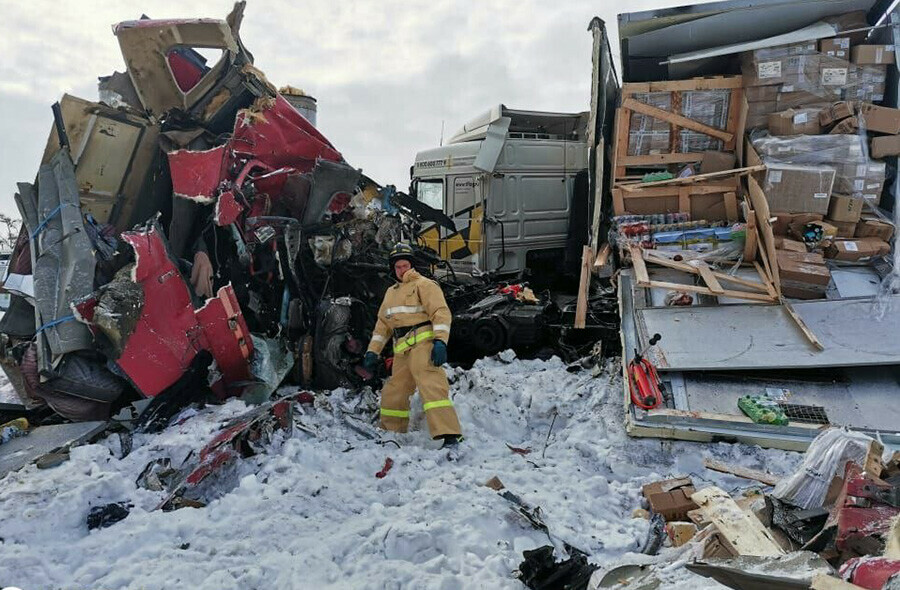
(439, 353)
(370, 362)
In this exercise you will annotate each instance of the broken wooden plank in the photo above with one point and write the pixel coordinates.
(676, 119)
(708, 277)
(758, 297)
(810, 335)
(703, 83)
(826, 582)
(696, 177)
(603, 256)
(640, 269)
(584, 285)
(654, 258)
(656, 160)
(760, 476)
(740, 532)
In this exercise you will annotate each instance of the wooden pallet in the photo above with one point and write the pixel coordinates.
(730, 135)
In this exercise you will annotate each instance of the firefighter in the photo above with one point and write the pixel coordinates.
(415, 313)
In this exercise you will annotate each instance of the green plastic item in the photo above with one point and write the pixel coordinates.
(762, 410)
(656, 176)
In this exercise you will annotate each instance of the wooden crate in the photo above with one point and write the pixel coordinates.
(729, 136)
(712, 202)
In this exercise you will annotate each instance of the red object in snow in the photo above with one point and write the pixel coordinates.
(388, 463)
(862, 520)
(643, 382)
(871, 572)
(305, 397)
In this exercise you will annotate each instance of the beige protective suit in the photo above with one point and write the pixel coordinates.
(414, 301)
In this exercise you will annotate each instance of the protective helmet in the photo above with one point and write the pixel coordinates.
(401, 252)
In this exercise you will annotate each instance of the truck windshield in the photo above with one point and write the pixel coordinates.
(431, 192)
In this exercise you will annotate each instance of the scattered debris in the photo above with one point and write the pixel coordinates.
(388, 463)
(541, 571)
(760, 476)
(101, 517)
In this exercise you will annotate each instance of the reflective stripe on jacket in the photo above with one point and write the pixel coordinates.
(412, 301)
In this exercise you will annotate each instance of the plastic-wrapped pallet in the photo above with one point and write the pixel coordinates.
(805, 78)
(648, 135)
(856, 175)
(826, 458)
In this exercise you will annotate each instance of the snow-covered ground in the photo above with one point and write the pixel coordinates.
(310, 513)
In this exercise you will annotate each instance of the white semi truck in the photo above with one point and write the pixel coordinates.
(515, 184)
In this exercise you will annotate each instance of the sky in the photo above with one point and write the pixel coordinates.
(387, 75)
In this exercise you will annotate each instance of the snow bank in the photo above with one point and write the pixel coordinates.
(311, 514)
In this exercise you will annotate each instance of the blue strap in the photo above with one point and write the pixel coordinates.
(47, 219)
(55, 322)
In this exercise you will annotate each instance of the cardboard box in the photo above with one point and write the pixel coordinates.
(874, 228)
(861, 179)
(844, 209)
(803, 257)
(880, 119)
(796, 229)
(671, 498)
(835, 47)
(787, 245)
(885, 145)
(848, 126)
(761, 93)
(836, 112)
(797, 290)
(872, 54)
(717, 162)
(804, 97)
(857, 249)
(845, 229)
(757, 121)
(803, 272)
(780, 223)
(798, 189)
(680, 532)
(771, 66)
(836, 73)
(762, 108)
(803, 121)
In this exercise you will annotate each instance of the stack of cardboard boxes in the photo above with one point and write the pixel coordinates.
(809, 75)
(812, 107)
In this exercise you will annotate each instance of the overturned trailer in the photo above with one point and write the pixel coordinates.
(734, 330)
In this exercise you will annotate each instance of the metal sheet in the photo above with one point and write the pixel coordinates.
(764, 336)
(19, 452)
(861, 398)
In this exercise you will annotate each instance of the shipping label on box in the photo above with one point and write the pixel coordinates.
(834, 76)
